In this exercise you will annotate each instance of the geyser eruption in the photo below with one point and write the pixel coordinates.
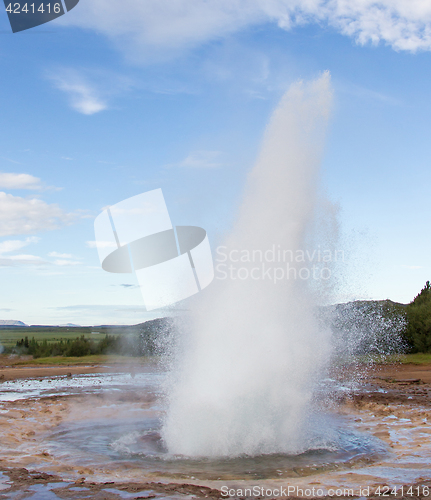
(244, 376)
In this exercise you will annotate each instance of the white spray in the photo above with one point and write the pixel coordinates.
(244, 375)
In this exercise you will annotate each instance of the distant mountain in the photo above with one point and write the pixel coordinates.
(71, 325)
(150, 325)
(11, 322)
(364, 304)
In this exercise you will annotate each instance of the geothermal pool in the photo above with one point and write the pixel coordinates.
(117, 419)
(111, 426)
(106, 428)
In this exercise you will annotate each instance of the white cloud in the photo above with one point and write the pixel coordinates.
(101, 244)
(25, 259)
(64, 259)
(19, 181)
(13, 245)
(200, 159)
(83, 97)
(88, 91)
(166, 25)
(29, 215)
(64, 262)
(60, 255)
(28, 259)
(21, 259)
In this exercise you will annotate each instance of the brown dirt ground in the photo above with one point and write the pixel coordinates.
(11, 370)
(24, 372)
(395, 373)
(399, 373)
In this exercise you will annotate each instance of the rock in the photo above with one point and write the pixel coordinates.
(408, 381)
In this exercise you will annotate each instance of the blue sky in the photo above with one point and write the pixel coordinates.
(117, 98)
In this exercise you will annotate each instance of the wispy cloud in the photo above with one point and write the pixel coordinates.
(8, 246)
(10, 161)
(200, 159)
(60, 255)
(11, 180)
(150, 29)
(19, 260)
(367, 94)
(88, 91)
(64, 259)
(29, 215)
(66, 262)
(19, 181)
(101, 244)
(25, 258)
(83, 97)
(14, 245)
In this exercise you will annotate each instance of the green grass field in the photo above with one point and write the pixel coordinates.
(9, 336)
(83, 360)
(419, 358)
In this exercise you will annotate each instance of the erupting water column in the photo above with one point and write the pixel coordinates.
(244, 377)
